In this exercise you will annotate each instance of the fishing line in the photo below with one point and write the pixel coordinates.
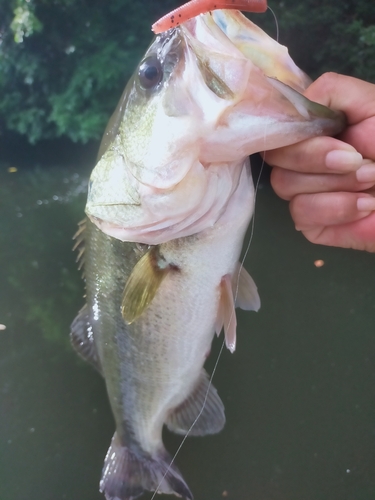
(222, 344)
(276, 23)
(257, 181)
(195, 421)
(252, 228)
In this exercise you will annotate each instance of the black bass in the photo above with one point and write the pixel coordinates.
(169, 203)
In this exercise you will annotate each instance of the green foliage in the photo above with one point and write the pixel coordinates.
(64, 64)
(24, 23)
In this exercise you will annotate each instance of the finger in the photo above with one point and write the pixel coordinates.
(356, 98)
(288, 184)
(359, 136)
(326, 209)
(335, 220)
(316, 155)
(358, 235)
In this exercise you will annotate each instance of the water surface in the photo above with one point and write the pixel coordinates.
(299, 390)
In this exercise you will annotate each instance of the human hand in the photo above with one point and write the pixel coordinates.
(330, 182)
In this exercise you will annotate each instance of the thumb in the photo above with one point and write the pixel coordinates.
(356, 98)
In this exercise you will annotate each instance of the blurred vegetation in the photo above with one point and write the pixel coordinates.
(64, 63)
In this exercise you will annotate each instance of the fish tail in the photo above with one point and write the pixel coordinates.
(128, 473)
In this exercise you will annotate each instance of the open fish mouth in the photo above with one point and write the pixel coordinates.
(206, 95)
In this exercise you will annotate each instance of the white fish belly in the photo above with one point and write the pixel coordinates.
(176, 330)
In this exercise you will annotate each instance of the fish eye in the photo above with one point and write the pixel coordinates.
(150, 72)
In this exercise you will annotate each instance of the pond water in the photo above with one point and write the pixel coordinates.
(299, 391)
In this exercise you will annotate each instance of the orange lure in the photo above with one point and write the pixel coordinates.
(196, 7)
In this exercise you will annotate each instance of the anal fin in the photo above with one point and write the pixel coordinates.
(127, 473)
(82, 339)
(203, 408)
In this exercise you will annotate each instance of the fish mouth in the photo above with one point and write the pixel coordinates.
(267, 54)
(175, 154)
(232, 30)
(232, 34)
(243, 66)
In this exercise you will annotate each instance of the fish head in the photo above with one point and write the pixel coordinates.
(206, 95)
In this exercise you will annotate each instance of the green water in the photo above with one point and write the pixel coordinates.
(299, 391)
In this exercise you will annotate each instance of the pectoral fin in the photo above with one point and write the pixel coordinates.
(226, 315)
(201, 413)
(143, 283)
(240, 286)
(245, 290)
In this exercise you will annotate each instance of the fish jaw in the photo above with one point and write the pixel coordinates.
(267, 109)
(273, 115)
(172, 150)
(267, 54)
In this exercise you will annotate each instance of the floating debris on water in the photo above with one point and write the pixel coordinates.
(11, 170)
(3, 327)
(319, 263)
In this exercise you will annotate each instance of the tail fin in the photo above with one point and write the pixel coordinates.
(127, 474)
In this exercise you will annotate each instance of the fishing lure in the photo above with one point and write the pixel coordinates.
(196, 7)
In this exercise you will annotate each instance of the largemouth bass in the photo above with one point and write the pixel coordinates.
(169, 203)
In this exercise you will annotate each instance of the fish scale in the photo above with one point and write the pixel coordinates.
(168, 206)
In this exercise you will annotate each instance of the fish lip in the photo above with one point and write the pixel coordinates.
(251, 42)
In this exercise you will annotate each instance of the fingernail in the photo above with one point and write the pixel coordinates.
(366, 204)
(366, 173)
(343, 160)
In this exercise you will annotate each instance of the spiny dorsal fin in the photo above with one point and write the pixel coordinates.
(79, 244)
(203, 401)
(143, 283)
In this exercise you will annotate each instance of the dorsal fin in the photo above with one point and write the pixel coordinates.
(79, 244)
